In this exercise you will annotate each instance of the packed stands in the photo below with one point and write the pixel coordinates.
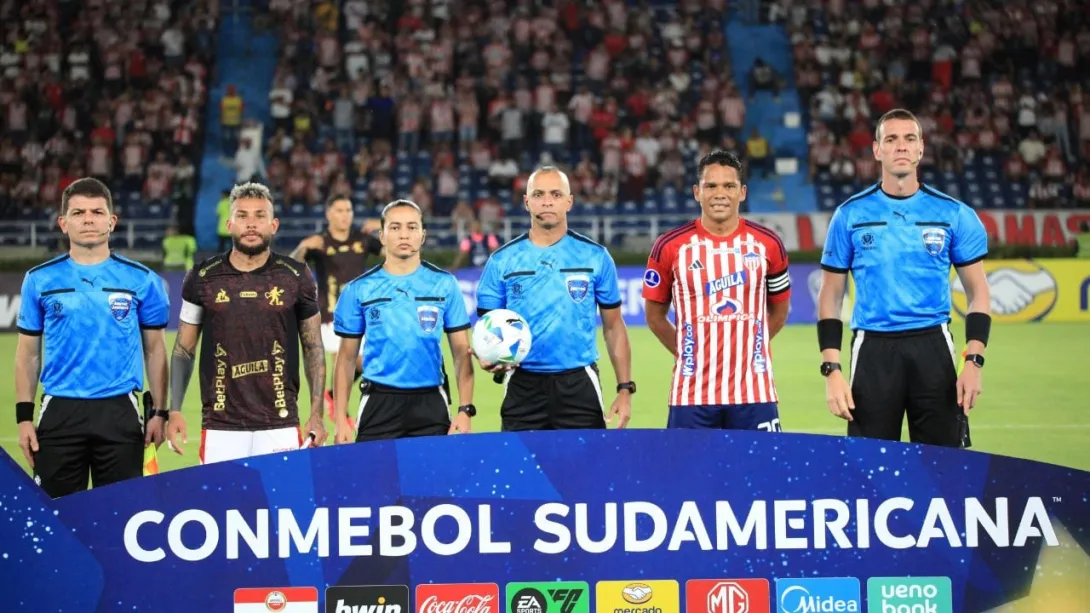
(454, 108)
(998, 87)
(110, 88)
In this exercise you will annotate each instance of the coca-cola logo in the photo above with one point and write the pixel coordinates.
(470, 603)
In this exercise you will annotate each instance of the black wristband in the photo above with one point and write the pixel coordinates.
(978, 326)
(24, 411)
(830, 333)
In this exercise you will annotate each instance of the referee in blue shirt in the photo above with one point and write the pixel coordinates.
(402, 308)
(559, 281)
(100, 319)
(898, 239)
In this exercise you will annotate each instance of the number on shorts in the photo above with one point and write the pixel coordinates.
(770, 426)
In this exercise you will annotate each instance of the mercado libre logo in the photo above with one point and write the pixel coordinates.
(1021, 291)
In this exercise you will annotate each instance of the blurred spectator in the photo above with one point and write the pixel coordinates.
(758, 155)
(223, 214)
(248, 163)
(178, 249)
(231, 109)
(763, 77)
(475, 248)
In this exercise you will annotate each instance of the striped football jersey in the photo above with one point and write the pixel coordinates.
(720, 288)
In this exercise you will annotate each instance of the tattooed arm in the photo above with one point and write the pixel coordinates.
(310, 334)
(182, 362)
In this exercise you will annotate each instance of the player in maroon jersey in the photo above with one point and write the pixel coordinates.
(727, 279)
(254, 308)
(338, 255)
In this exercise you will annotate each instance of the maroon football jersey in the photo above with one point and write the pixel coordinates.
(337, 263)
(249, 357)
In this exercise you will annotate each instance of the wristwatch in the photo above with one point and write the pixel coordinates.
(165, 414)
(627, 385)
(975, 358)
(468, 409)
(827, 368)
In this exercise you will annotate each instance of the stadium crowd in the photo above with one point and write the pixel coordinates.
(1000, 89)
(110, 88)
(454, 107)
(453, 104)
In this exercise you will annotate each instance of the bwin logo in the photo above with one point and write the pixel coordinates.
(797, 599)
(367, 608)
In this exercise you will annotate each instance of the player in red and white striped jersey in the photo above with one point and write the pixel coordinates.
(727, 281)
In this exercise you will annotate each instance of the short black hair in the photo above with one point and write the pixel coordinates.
(720, 157)
(88, 187)
(334, 198)
(397, 204)
(896, 114)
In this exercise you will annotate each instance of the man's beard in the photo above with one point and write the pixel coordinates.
(254, 250)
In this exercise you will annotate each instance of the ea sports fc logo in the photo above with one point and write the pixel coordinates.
(1021, 291)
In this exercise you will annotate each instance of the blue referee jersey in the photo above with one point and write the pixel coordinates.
(403, 318)
(90, 318)
(899, 251)
(557, 290)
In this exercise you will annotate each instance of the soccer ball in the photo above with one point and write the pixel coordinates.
(501, 337)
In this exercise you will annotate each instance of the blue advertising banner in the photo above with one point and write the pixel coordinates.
(634, 521)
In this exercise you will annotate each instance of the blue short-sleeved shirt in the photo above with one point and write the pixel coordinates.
(558, 290)
(90, 318)
(403, 318)
(899, 252)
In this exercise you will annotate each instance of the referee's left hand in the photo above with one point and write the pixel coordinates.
(622, 409)
(460, 424)
(154, 431)
(970, 385)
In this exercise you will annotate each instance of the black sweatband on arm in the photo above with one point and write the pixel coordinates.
(830, 333)
(24, 411)
(977, 327)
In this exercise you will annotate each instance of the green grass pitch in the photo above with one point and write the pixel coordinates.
(1036, 393)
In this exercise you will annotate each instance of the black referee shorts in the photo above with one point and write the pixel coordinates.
(102, 439)
(567, 400)
(387, 413)
(913, 373)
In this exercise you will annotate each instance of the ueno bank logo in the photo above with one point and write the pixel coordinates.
(909, 595)
(458, 598)
(727, 596)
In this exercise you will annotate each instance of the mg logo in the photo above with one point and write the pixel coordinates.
(728, 597)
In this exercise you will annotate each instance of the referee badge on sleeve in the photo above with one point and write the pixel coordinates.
(934, 239)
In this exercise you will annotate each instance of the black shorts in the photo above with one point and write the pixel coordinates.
(102, 439)
(911, 372)
(568, 400)
(387, 413)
